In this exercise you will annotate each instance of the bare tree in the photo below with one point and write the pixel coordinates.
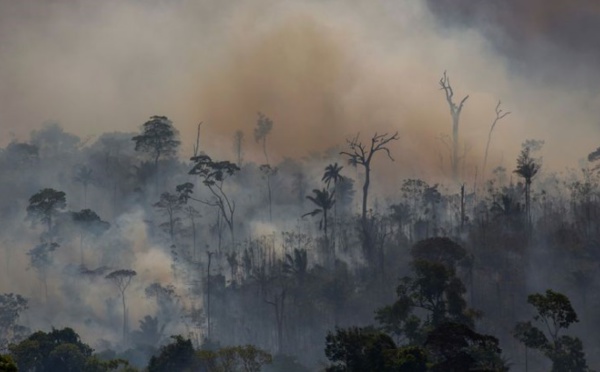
(361, 154)
(500, 114)
(455, 111)
(122, 279)
(263, 127)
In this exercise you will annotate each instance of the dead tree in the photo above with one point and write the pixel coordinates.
(499, 116)
(362, 155)
(455, 111)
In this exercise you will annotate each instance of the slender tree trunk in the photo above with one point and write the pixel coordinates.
(81, 247)
(124, 316)
(366, 194)
(455, 122)
(208, 294)
(270, 199)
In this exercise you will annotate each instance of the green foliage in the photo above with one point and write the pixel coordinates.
(455, 347)
(358, 349)
(285, 363)
(177, 356)
(555, 312)
(7, 364)
(58, 350)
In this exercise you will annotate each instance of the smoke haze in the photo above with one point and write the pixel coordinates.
(322, 70)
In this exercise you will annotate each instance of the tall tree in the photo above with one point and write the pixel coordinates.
(40, 258)
(158, 138)
(555, 313)
(170, 205)
(213, 175)
(500, 114)
(262, 130)
(238, 143)
(85, 176)
(455, 111)
(324, 201)
(11, 307)
(527, 168)
(264, 125)
(361, 154)
(45, 205)
(88, 223)
(121, 279)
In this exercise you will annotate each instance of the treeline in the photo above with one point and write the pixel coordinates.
(297, 258)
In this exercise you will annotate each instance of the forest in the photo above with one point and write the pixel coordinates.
(312, 194)
(133, 245)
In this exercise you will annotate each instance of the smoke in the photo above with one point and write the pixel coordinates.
(323, 71)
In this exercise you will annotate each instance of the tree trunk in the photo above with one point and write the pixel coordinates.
(455, 122)
(124, 316)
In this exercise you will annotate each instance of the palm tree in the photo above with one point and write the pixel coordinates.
(324, 201)
(527, 168)
(332, 173)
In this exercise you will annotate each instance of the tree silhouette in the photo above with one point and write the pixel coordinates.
(499, 116)
(213, 175)
(262, 130)
(45, 205)
(332, 174)
(361, 154)
(40, 258)
(121, 279)
(238, 142)
(170, 205)
(527, 168)
(85, 176)
(158, 138)
(324, 201)
(555, 313)
(88, 222)
(455, 111)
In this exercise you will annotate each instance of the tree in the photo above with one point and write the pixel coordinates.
(238, 142)
(269, 172)
(555, 313)
(58, 350)
(262, 130)
(45, 205)
(455, 347)
(213, 175)
(158, 138)
(324, 202)
(362, 155)
(11, 307)
(435, 288)
(177, 356)
(365, 349)
(88, 223)
(40, 258)
(332, 174)
(527, 168)
(170, 205)
(84, 175)
(7, 364)
(122, 279)
(455, 111)
(499, 116)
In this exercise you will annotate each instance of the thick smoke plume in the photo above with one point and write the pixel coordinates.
(322, 70)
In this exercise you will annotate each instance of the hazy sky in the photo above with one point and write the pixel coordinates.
(323, 70)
